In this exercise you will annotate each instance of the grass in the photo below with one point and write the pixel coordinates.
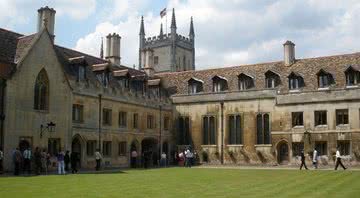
(182, 182)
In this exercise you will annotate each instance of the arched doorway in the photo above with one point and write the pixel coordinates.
(76, 148)
(165, 148)
(24, 144)
(283, 153)
(149, 152)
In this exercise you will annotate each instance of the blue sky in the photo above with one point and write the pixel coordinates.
(231, 32)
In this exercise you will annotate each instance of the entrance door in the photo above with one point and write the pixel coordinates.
(76, 148)
(283, 153)
(24, 143)
(150, 152)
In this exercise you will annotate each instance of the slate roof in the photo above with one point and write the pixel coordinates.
(8, 45)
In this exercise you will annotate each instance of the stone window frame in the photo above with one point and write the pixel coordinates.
(91, 147)
(220, 84)
(274, 79)
(122, 148)
(122, 121)
(319, 121)
(294, 119)
(324, 79)
(344, 147)
(107, 148)
(42, 91)
(166, 123)
(322, 147)
(342, 117)
(297, 147)
(184, 130)
(263, 137)
(352, 76)
(150, 121)
(195, 86)
(296, 82)
(81, 73)
(245, 82)
(238, 140)
(107, 116)
(135, 121)
(211, 135)
(78, 113)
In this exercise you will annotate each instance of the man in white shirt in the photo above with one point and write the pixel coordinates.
(338, 159)
(98, 158)
(189, 157)
(315, 159)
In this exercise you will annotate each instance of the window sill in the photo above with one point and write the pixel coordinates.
(298, 127)
(323, 88)
(294, 90)
(234, 145)
(263, 145)
(351, 86)
(321, 126)
(208, 145)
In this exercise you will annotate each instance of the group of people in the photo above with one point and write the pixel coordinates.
(315, 159)
(185, 158)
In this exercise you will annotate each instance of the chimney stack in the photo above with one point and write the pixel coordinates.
(289, 53)
(46, 18)
(113, 48)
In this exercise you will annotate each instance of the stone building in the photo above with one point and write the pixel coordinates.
(167, 52)
(59, 99)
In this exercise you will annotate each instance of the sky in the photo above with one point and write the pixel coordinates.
(227, 33)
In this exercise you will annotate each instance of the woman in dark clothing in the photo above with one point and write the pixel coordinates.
(74, 160)
(37, 158)
(67, 161)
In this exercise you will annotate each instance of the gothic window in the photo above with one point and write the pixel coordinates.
(352, 76)
(297, 147)
(90, 147)
(245, 82)
(107, 118)
(295, 81)
(209, 130)
(272, 80)
(81, 73)
(235, 129)
(263, 128)
(324, 79)
(41, 91)
(77, 113)
(219, 84)
(195, 86)
(342, 116)
(184, 131)
(297, 119)
(122, 119)
(320, 118)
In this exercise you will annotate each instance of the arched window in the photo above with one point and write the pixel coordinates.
(41, 91)
(263, 128)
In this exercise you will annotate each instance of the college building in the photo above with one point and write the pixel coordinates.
(60, 99)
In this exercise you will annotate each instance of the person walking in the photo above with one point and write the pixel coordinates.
(338, 159)
(1, 161)
(44, 161)
(315, 158)
(27, 160)
(134, 156)
(17, 161)
(302, 155)
(37, 159)
(189, 156)
(61, 163)
(98, 158)
(67, 160)
(74, 160)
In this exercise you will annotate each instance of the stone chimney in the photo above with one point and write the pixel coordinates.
(113, 48)
(289, 53)
(46, 18)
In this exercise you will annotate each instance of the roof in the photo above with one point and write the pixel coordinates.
(8, 45)
(24, 43)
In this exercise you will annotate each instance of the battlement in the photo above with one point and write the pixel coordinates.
(167, 37)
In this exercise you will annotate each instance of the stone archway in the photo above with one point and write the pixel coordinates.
(283, 153)
(76, 147)
(149, 151)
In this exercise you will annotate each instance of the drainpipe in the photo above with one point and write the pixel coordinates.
(160, 111)
(222, 132)
(2, 115)
(100, 123)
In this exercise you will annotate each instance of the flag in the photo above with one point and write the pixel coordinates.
(163, 13)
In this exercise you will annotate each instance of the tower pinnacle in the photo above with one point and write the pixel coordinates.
(173, 20)
(142, 28)
(102, 49)
(192, 33)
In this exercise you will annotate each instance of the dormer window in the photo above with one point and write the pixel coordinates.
(272, 80)
(352, 76)
(245, 82)
(296, 82)
(104, 78)
(195, 86)
(219, 84)
(81, 73)
(124, 82)
(324, 79)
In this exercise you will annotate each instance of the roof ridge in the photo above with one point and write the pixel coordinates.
(2, 29)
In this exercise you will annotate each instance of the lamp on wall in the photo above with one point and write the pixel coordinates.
(50, 127)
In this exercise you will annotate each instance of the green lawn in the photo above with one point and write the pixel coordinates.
(182, 182)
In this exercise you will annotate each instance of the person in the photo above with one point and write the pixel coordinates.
(17, 161)
(61, 164)
(338, 159)
(74, 160)
(163, 160)
(189, 156)
(315, 158)
(67, 160)
(134, 156)
(181, 159)
(44, 161)
(48, 161)
(37, 159)
(1, 161)
(98, 158)
(27, 160)
(302, 155)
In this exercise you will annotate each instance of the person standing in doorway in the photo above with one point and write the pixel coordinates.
(61, 163)
(74, 159)
(67, 160)
(37, 159)
(27, 160)
(302, 155)
(315, 158)
(338, 159)
(98, 158)
(134, 156)
(17, 161)
(1, 161)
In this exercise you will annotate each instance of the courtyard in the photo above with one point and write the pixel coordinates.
(185, 182)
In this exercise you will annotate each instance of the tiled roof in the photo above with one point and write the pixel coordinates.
(8, 43)
(23, 45)
(307, 68)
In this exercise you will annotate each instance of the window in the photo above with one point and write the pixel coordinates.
(150, 122)
(124, 82)
(90, 147)
(41, 91)
(263, 128)
(209, 130)
(184, 131)
(166, 123)
(81, 73)
(297, 147)
(77, 113)
(107, 116)
(235, 129)
(107, 148)
(104, 78)
(122, 119)
(272, 80)
(344, 147)
(135, 121)
(245, 82)
(342, 116)
(297, 119)
(156, 60)
(53, 146)
(195, 86)
(219, 84)
(122, 148)
(324, 79)
(321, 148)
(352, 76)
(295, 81)
(138, 87)
(320, 118)
(184, 63)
